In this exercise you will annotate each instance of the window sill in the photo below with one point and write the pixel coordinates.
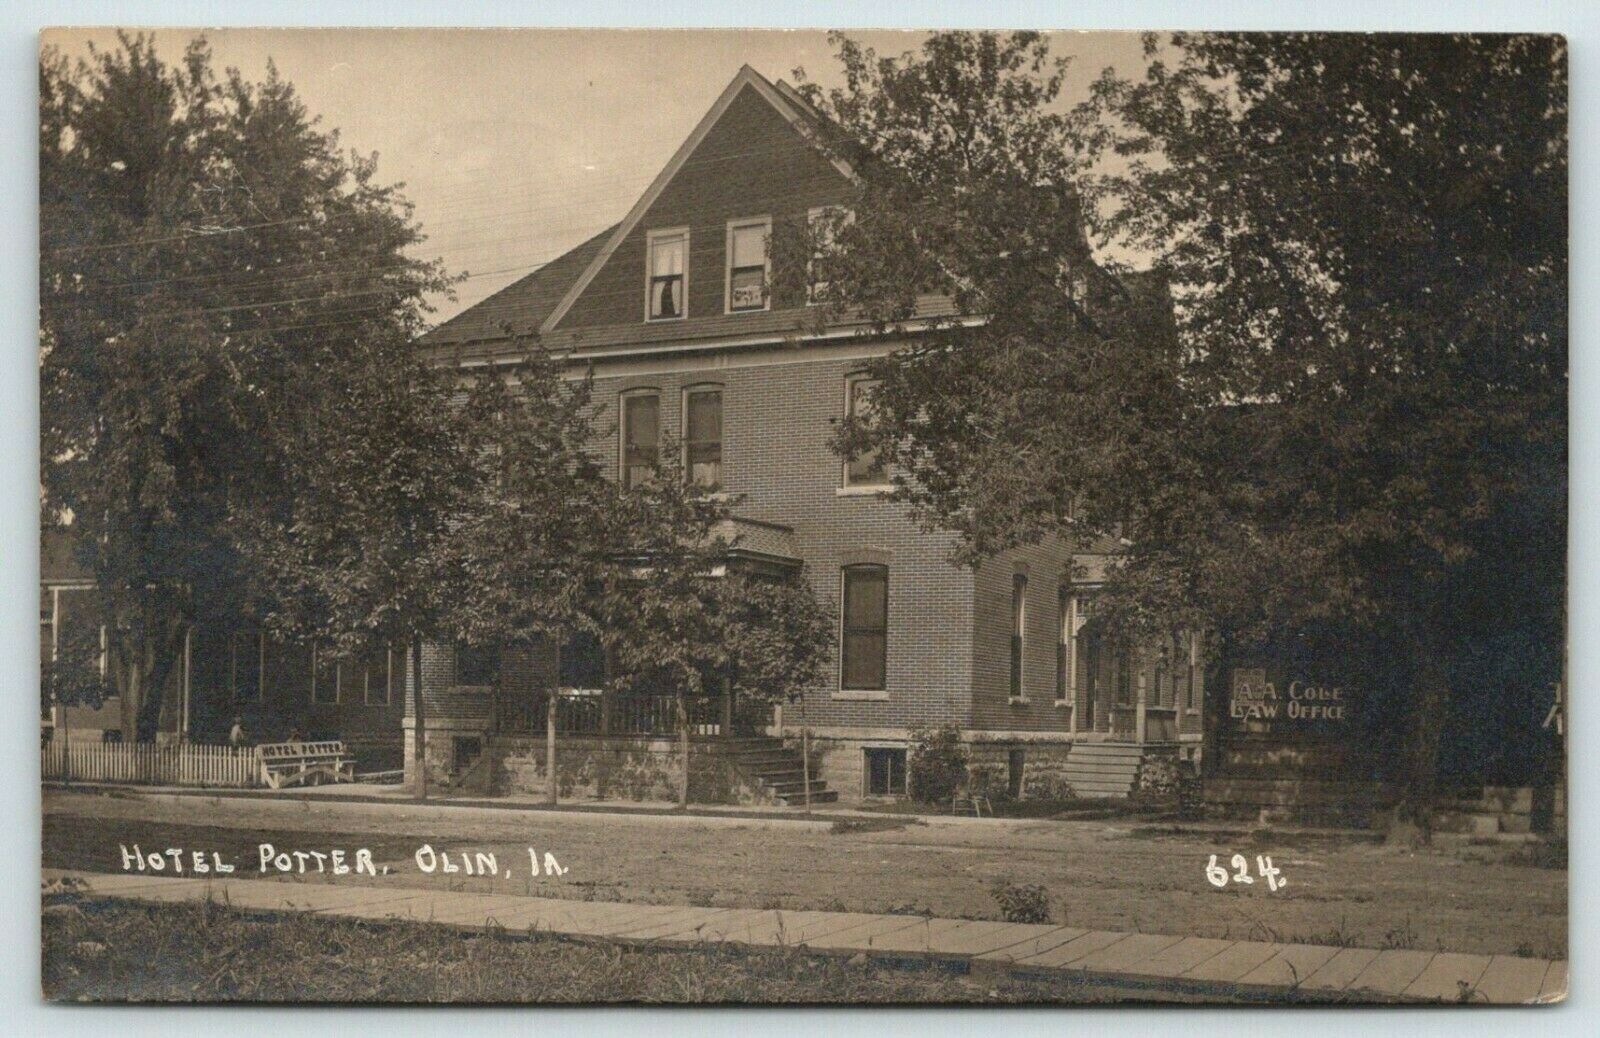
(1018, 700)
(1063, 704)
(664, 320)
(868, 695)
(876, 490)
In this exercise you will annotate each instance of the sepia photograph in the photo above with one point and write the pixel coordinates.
(802, 517)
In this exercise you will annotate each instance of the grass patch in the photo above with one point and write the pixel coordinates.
(98, 950)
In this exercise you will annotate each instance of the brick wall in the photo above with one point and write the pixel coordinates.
(778, 413)
(1047, 568)
(751, 164)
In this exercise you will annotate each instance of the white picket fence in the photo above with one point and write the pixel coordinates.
(188, 764)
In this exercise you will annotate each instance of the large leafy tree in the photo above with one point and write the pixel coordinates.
(549, 547)
(224, 293)
(678, 615)
(1352, 432)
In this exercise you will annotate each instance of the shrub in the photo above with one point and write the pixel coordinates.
(1158, 776)
(1022, 902)
(937, 763)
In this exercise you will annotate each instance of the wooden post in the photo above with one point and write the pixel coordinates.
(727, 707)
(419, 736)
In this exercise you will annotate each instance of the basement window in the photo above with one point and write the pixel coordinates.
(885, 772)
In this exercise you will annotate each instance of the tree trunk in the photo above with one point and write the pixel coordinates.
(129, 695)
(683, 751)
(419, 731)
(1430, 699)
(551, 704)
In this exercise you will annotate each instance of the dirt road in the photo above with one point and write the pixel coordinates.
(1102, 875)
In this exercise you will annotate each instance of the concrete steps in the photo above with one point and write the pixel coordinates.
(1104, 769)
(778, 770)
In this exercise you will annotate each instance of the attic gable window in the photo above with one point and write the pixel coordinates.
(667, 271)
(747, 264)
(824, 223)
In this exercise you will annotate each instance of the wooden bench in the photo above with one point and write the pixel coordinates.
(305, 763)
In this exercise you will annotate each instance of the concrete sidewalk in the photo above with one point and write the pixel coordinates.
(1140, 963)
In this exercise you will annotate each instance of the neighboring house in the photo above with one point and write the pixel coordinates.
(273, 688)
(673, 309)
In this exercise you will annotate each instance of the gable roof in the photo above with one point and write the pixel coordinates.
(523, 305)
(745, 77)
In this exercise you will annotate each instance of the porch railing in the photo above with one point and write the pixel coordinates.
(635, 714)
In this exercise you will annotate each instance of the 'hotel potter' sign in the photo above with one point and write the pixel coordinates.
(1299, 702)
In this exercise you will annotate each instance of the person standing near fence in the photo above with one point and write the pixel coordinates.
(236, 733)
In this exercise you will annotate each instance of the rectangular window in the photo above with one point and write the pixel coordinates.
(886, 772)
(702, 437)
(477, 665)
(1019, 621)
(864, 652)
(668, 277)
(747, 264)
(865, 469)
(641, 437)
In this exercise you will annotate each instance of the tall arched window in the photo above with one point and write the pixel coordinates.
(641, 435)
(702, 436)
(1019, 623)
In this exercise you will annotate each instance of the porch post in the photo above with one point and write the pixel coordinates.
(419, 730)
(727, 707)
(1140, 697)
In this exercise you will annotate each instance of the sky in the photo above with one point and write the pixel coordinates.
(516, 144)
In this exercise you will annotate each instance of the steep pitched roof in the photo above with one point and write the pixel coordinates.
(521, 306)
(746, 77)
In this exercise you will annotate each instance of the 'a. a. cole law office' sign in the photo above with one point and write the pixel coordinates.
(1298, 702)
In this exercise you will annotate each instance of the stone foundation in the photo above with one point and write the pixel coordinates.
(841, 762)
(617, 768)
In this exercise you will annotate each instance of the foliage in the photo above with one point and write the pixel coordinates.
(536, 544)
(218, 283)
(73, 676)
(1022, 902)
(1158, 775)
(937, 764)
(1342, 428)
